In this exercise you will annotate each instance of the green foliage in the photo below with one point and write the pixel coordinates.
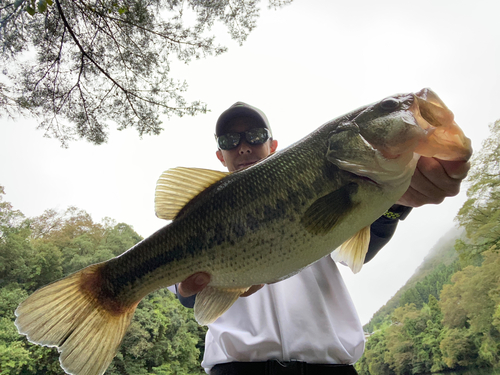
(450, 319)
(435, 271)
(431, 285)
(93, 62)
(373, 361)
(458, 348)
(164, 337)
(480, 215)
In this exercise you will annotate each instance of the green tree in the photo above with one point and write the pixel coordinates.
(164, 337)
(90, 62)
(399, 339)
(373, 360)
(469, 308)
(480, 215)
(13, 354)
(457, 347)
(471, 301)
(428, 357)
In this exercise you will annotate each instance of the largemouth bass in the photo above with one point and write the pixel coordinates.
(258, 225)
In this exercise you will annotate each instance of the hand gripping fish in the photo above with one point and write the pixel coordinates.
(259, 225)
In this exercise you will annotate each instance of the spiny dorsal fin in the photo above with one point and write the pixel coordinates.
(177, 186)
(326, 211)
(212, 302)
(353, 251)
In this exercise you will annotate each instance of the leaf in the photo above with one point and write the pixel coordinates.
(30, 10)
(42, 6)
(18, 3)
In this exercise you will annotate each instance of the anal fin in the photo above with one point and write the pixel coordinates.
(353, 251)
(212, 302)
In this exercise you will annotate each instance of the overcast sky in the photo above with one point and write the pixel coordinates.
(303, 65)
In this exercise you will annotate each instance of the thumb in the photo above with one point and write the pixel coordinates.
(193, 284)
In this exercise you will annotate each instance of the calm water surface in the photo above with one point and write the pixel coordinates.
(472, 372)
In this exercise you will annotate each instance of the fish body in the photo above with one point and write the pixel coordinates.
(259, 225)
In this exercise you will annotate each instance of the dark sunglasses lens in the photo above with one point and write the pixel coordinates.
(228, 141)
(257, 136)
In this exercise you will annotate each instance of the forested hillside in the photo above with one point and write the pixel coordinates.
(163, 338)
(429, 278)
(447, 317)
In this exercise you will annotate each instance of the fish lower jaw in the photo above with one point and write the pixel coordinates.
(382, 171)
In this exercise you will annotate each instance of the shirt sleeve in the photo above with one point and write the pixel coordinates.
(382, 230)
(185, 301)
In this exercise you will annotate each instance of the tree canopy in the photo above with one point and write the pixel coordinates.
(80, 65)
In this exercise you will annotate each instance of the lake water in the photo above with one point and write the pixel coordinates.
(472, 372)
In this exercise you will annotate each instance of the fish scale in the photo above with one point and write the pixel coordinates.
(260, 225)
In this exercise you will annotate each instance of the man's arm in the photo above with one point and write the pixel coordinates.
(432, 182)
(382, 230)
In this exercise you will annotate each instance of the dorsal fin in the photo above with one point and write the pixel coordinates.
(177, 186)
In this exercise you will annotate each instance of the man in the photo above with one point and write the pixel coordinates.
(306, 324)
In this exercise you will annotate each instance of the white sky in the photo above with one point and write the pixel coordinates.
(303, 65)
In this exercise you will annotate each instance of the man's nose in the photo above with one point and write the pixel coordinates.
(245, 148)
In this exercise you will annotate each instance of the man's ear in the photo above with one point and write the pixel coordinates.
(274, 145)
(221, 157)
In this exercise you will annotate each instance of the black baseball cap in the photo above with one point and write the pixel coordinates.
(240, 109)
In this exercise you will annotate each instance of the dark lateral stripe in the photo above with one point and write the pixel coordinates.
(148, 255)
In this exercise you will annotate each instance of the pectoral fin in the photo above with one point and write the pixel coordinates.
(177, 186)
(212, 302)
(327, 211)
(353, 251)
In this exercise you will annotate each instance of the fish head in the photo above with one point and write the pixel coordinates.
(384, 140)
(390, 127)
(417, 122)
(444, 139)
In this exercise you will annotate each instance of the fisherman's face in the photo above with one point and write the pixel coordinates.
(244, 154)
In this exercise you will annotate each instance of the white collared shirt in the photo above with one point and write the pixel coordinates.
(309, 317)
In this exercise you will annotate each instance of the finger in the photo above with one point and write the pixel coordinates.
(432, 179)
(457, 170)
(414, 198)
(252, 290)
(193, 284)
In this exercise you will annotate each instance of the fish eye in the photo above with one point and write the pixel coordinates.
(389, 104)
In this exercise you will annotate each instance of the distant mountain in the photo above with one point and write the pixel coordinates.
(435, 270)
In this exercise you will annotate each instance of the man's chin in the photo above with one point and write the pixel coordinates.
(245, 165)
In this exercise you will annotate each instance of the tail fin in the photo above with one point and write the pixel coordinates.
(70, 315)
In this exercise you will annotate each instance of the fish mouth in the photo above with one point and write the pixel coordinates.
(443, 138)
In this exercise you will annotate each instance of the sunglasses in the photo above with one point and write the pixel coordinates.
(255, 136)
